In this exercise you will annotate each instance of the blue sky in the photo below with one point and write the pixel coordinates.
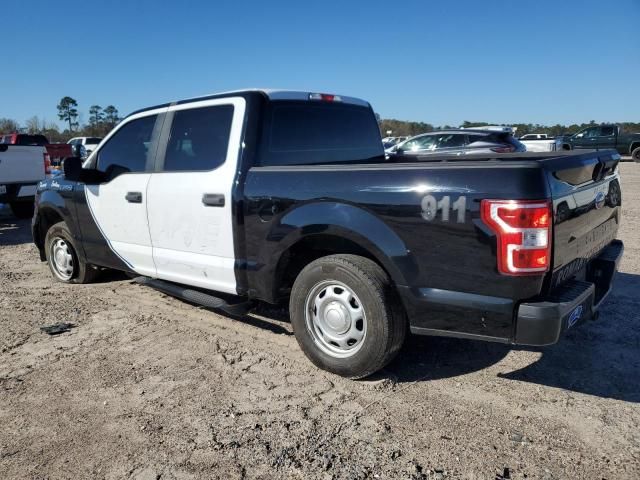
(438, 62)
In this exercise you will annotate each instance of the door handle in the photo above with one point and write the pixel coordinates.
(133, 197)
(213, 200)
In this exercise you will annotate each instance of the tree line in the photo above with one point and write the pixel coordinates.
(403, 128)
(101, 121)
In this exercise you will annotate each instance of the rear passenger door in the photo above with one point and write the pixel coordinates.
(190, 206)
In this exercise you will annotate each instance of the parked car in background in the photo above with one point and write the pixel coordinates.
(388, 142)
(540, 142)
(57, 151)
(283, 196)
(89, 143)
(604, 137)
(460, 142)
(21, 168)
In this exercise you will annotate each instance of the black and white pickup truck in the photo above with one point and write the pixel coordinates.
(274, 196)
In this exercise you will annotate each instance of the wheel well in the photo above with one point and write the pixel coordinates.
(566, 146)
(47, 217)
(305, 251)
(634, 146)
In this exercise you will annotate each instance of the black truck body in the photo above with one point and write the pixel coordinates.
(423, 221)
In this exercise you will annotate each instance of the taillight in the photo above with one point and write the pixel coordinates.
(504, 149)
(523, 231)
(47, 163)
(325, 97)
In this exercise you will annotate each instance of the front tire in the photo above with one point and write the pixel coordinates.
(62, 257)
(346, 315)
(22, 209)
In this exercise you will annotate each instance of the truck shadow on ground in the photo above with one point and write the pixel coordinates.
(600, 358)
(14, 231)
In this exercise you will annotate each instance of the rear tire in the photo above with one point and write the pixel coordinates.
(62, 257)
(22, 209)
(346, 315)
(635, 155)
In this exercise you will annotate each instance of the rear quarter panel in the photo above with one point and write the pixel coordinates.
(446, 251)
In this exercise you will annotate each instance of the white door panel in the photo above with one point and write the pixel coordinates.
(124, 224)
(193, 242)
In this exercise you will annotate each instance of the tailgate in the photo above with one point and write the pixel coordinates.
(21, 164)
(586, 195)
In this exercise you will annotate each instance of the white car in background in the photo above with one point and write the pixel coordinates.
(89, 143)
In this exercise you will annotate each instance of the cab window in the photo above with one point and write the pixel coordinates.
(199, 139)
(129, 149)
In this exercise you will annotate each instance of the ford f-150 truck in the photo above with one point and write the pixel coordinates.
(21, 168)
(605, 137)
(287, 196)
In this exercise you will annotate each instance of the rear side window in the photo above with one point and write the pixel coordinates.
(299, 133)
(92, 140)
(199, 139)
(127, 150)
(477, 138)
(606, 131)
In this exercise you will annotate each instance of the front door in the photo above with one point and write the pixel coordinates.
(190, 202)
(586, 138)
(114, 215)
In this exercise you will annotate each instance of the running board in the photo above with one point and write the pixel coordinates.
(195, 296)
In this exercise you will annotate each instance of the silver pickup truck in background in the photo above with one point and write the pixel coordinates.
(21, 168)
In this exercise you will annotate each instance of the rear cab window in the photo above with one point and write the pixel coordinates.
(309, 132)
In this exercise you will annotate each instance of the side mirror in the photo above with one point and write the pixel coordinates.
(73, 171)
(72, 167)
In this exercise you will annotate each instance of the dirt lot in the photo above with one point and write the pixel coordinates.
(147, 387)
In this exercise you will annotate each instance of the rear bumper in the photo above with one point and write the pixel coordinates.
(19, 192)
(543, 322)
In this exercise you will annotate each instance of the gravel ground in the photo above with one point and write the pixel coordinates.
(145, 386)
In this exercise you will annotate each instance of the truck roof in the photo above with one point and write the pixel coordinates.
(271, 94)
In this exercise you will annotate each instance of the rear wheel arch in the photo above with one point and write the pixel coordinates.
(312, 247)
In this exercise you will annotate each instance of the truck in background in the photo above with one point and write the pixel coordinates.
(600, 137)
(21, 168)
(57, 151)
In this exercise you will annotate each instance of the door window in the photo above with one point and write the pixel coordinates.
(591, 132)
(129, 149)
(426, 142)
(450, 140)
(199, 139)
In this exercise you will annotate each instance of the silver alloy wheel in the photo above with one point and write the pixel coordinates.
(61, 258)
(335, 318)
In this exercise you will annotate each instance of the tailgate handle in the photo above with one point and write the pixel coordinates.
(213, 200)
(133, 197)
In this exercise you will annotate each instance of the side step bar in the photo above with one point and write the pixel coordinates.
(195, 296)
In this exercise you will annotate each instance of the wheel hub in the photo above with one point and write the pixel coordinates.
(335, 318)
(62, 258)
